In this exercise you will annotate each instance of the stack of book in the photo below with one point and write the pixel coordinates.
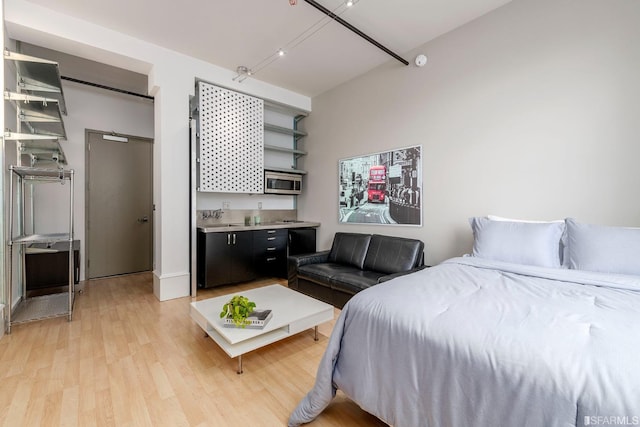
(256, 320)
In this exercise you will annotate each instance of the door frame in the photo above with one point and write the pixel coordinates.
(86, 194)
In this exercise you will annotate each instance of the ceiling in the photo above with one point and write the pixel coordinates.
(230, 33)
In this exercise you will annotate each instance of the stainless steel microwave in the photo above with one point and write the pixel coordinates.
(282, 183)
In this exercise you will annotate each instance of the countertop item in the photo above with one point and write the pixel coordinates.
(225, 227)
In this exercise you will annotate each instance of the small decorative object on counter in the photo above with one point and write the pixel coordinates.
(237, 309)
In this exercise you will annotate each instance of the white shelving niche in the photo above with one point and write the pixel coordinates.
(281, 138)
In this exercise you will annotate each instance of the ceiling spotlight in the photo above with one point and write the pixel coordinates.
(242, 73)
(330, 16)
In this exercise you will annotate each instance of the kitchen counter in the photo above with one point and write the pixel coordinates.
(223, 228)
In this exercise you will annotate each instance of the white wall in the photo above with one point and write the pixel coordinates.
(530, 111)
(95, 109)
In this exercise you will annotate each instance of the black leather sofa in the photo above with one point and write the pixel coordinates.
(355, 262)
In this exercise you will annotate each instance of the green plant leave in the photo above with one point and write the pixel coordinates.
(238, 308)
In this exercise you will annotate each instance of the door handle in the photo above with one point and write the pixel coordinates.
(143, 219)
(234, 238)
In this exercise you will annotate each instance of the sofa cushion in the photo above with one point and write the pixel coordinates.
(324, 271)
(388, 254)
(349, 249)
(353, 282)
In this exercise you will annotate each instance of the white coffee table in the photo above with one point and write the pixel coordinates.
(293, 312)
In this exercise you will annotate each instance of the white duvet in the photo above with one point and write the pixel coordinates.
(478, 343)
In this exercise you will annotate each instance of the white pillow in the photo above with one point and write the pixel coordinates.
(562, 244)
(603, 248)
(499, 218)
(518, 242)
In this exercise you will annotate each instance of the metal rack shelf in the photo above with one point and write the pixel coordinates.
(37, 76)
(41, 116)
(43, 307)
(37, 308)
(41, 174)
(39, 103)
(41, 238)
(42, 152)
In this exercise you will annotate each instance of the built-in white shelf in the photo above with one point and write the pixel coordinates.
(297, 134)
(294, 151)
(290, 170)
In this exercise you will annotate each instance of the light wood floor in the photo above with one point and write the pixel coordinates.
(127, 359)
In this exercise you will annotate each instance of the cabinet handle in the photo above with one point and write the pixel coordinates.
(271, 231)
(234, 238)
(228, 238)
(271, 249)
(271, 238)
(271, 259)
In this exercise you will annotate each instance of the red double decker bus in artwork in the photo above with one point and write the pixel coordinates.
(377, 184)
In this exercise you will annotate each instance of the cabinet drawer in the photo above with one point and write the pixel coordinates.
(267, 234)
(272, 264)
(267, 239)
(270, 251)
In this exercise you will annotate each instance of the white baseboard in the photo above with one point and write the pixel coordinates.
(171, 286)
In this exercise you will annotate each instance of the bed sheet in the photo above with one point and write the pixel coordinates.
(473, 342)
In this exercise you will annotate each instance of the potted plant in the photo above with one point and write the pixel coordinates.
(238, 308)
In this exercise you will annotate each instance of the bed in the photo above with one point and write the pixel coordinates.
(491, 340)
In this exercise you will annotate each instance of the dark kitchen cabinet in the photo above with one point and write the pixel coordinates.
(302, 241)
(270, 252)
(225, 258)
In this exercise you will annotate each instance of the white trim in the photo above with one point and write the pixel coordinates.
(171, 286)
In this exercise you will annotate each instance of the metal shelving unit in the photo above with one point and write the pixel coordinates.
(41, 116)
(38, 77)
(46, 306)
(39, 105)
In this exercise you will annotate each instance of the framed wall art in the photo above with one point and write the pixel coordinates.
(381, 188)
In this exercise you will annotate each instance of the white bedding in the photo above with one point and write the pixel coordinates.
(479, 343)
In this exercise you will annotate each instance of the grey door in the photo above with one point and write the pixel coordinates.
(119, 204)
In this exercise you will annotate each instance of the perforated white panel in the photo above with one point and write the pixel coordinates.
(231, 144)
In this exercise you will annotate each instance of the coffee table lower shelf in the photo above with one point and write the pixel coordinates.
(293, 313)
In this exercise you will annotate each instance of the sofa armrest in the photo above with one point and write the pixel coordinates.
(304, 259)
(296, 261)
(402, 273)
